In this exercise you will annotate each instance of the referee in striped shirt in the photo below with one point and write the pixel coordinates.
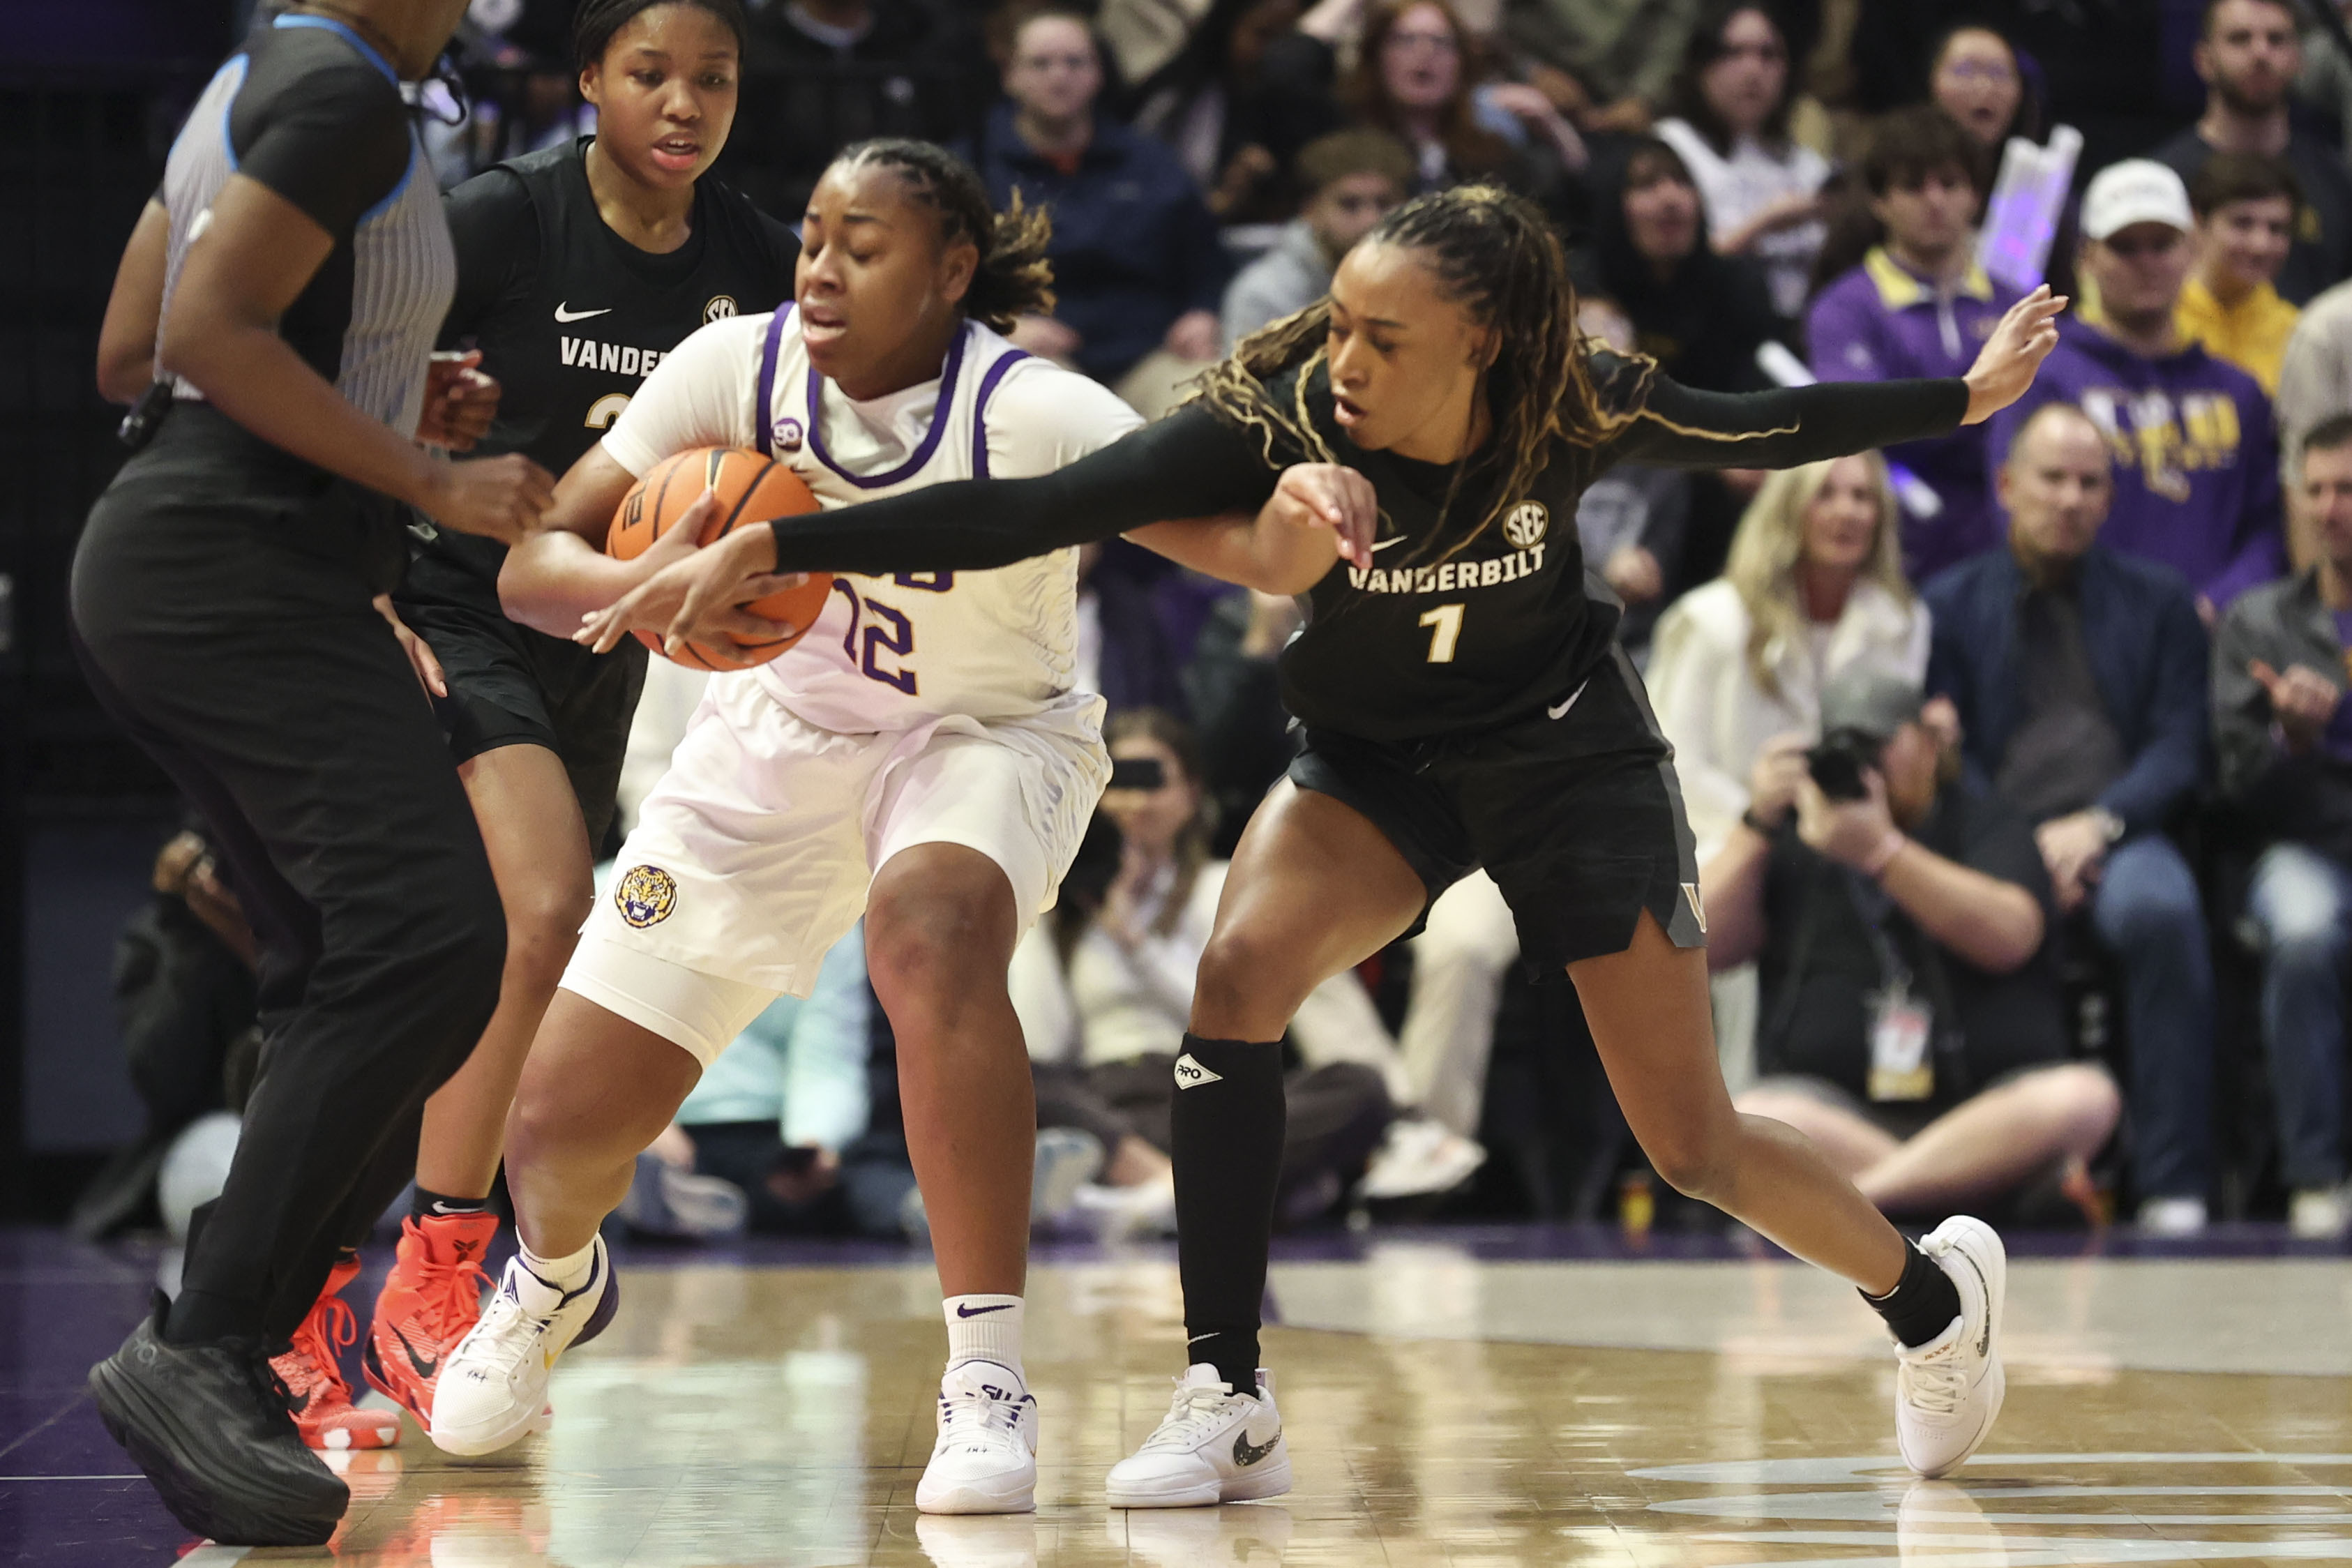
(293, 272)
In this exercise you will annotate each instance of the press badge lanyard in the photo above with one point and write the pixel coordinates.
(1902, 1026)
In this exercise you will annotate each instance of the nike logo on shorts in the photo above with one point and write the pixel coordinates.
(1561, 711)
(563, 314)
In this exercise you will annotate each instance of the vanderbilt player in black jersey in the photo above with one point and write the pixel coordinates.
(578, 268)
(1465, 702)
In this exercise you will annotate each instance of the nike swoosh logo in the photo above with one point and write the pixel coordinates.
(563, 314)
(295, 1406)
(1381, 545)
(1246, 1454)
(1563, 708)
(964, 1312)
(424, 1369)
(1984, 1340)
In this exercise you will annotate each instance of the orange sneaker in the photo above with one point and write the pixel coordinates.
(317, 1394)
(430, 1300)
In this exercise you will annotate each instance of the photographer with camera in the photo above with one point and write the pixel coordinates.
(2078, 674)
(1900, 918)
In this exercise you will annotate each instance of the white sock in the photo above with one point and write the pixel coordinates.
(984, 1328)
(566, 1273)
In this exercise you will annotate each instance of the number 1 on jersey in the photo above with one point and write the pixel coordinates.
(1445, 629)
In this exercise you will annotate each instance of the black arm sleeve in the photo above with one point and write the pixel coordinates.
(333, 138)
(496, 237)
(1190, 464)
(1680, 429)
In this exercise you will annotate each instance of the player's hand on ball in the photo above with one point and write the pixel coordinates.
(700, 597)
(2005, 365)
(496, 497)
(1327, 496)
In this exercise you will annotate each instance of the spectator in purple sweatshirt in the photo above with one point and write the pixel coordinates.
(2195, 451)
(1920, 305)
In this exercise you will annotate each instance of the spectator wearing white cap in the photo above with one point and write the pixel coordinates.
(2196, 456)
(2247, 54)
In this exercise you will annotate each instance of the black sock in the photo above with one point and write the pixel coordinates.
(428, 1204)
(1225, 1133)
(1923, 1303)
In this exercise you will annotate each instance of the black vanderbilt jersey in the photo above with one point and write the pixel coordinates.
(1451, 628)
(570, 317)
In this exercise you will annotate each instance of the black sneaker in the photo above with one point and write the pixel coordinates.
(208, 1424)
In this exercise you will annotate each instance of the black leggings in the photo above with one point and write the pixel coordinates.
(222, 614)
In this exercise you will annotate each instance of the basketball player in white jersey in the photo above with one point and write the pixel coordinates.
(920, 757)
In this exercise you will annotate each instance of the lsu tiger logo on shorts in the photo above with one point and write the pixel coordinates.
(644, 895)
(1527, 523)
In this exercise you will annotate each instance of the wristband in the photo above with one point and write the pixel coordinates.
(1884, 856)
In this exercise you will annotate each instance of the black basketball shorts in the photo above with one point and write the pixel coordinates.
(1575, 812)
(510, 685)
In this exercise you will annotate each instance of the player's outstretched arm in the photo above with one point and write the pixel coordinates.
(1189, 465)
(1320, 513)
(1678, 427)
(2006, 364)
(559, 572)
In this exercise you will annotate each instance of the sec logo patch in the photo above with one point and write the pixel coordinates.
(1526, 525)
(645, 895)
(721, 307)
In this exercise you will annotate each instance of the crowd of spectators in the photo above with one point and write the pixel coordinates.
(1970, 732)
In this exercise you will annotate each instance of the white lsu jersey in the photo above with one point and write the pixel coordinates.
(890, 652)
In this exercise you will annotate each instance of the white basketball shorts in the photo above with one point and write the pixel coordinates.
(753, 855)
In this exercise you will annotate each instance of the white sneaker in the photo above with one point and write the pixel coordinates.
(1067, 1159)
(493, 1386)
(1948, 1391)
(1418, 1157)
(2318, 1214)
(680, 1204)
(2172, 1216)
(1214, 1446)
(985, 1461)
(1121, 1213)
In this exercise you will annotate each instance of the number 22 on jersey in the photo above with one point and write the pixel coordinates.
(1444, 624)
(877, 632)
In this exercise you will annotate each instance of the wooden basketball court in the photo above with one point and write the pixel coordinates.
(1442, 1408)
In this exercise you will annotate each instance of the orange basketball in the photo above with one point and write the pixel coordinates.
(751, 489)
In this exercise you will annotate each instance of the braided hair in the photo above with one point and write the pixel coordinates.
(1014, 277)
(598, 22)
(1496, 255)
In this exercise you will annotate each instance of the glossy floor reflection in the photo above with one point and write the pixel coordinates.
(747, 1415)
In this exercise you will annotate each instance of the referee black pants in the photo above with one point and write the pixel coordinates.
(222, 613)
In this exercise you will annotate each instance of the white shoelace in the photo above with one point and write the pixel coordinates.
(977, 1414)
(506, 1333)
(1190, 1415)
(1934, 1386)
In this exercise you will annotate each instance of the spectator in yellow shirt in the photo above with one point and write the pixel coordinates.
(2245, 205)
